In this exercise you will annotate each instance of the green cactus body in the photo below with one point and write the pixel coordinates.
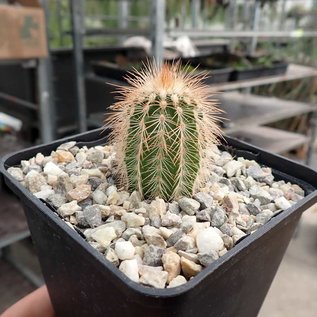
(161, 159)
(161, 132)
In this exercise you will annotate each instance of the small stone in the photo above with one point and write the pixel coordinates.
(190, 268)
(185, 243)
(253, 209)
(203, 215)
(104, 235)
(222, 252)
(56, 200)
(173, 238)
(227, 240)
(141, 211)
(123, 196)
(219, 191)
(52, 180)
(209, 240)
(80, 193)
(81, 220)
(152, 236)
(112, 257)
(92, 215)
(135, 241)
(264, 216)
(63, 184)
(171, 220)
(135, 199)
(204, 199)
(34, 181)
(262, 195)
(171, 264)
(16, 173)
(78, 179)
(173, 207)
(85, 203)
(189, 256)
(198, 227)
(282, 203)
(153, 255)
(230, 203)
(96, 182)
(92, 172)
(226, 228)
(67, 146)
(153, 277)
(177, 281)
(223, 159)
(68, 208)
(52, 169)
(188, 223)
(124, 250)
(44, 194)
(166, 233)
(237, 238)
(132, 231)
(95, 156)
(99, 197)
(132, 220)
(64, 156)
(219, 217)
(256, 172)
(238, 184)
(39, 159)
(131, 269)
(189, 205)
(232, 167)
(113, 198)
(118, 225)
(207, 258)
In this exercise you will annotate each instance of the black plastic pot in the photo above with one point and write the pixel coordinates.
(278, 68)
(82, 283)
(110, 70)
(113, 71)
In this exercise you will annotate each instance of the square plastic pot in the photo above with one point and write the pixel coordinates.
(82, 283)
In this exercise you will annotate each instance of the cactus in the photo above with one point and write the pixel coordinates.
(162, 126)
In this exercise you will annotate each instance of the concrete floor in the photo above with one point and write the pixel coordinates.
(294, 289)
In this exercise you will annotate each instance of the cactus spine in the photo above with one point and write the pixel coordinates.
(162, 127)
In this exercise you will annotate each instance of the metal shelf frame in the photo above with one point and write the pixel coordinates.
(45, 106)
(158, 29)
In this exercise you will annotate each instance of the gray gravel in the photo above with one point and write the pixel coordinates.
(156, 243)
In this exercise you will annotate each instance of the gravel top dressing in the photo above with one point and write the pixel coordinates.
(154, 242)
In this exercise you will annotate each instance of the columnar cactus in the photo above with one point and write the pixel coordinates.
(162, 127)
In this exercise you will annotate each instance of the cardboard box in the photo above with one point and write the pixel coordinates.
(22, 33)
(27, 3)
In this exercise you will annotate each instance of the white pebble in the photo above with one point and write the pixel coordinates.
(44, 194)
(282, 203)
(104, 236)
(133, 220)
(52, 169)
(209, 240)
(124, 250)
(177, 281)
(68, 209)
(130, 269)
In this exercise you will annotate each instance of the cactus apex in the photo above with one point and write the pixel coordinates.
(162, 126)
